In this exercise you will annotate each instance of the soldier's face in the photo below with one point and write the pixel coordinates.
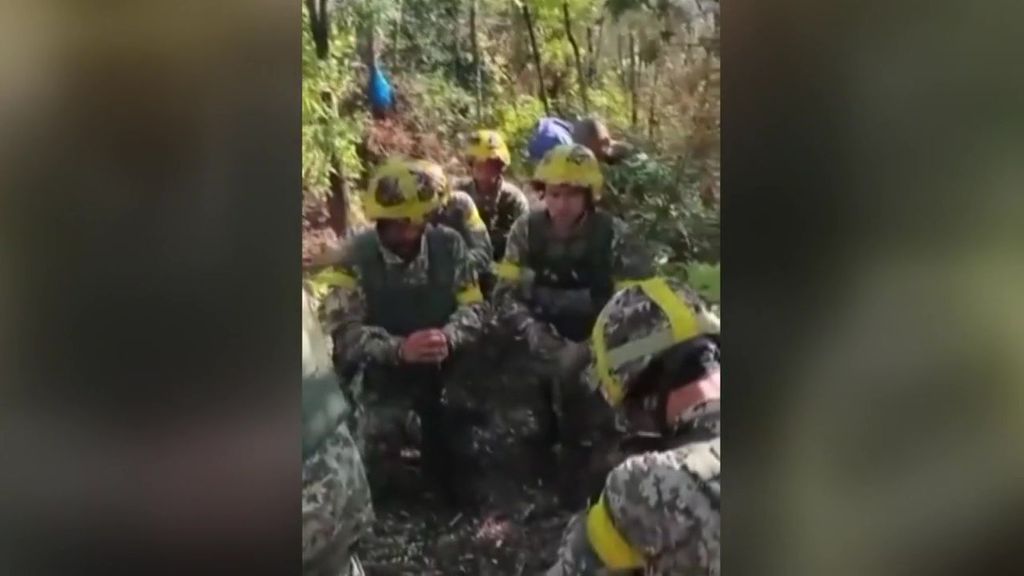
(565, 204)
(487, 173)
(699, 391)
(401, 236)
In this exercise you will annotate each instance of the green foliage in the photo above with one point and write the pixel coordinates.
(326, 132)
(705, 278)
(669, 192)
(515, 119)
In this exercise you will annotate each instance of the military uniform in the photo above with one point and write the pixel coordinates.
(552, 289)
(498, 211)
(377, 299)
(459, 213)
(336, 504)
(658, 513)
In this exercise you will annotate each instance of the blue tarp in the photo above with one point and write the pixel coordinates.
(550, 132)
(380, 92)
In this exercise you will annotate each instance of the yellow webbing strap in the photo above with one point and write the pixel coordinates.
(334, 277)
(507, 271)
(683, 322)
(474, 221)
(609, 545)
(683, 327)
(470, 295)
(609, 383)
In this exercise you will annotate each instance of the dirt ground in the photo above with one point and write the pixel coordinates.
(515, 537)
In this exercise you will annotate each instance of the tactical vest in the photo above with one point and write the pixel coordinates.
(400, 308)
(572, 278)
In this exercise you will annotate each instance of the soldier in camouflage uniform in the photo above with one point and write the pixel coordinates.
(336, 506)
(403, 301)
(562, 263)
(500, 202)
(656, 356)
(458, 211)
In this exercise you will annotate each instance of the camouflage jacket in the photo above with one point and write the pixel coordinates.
(630, 261)
(659, 512)
(344, 308)
(336, 505)
(499, 211)
(460, 214)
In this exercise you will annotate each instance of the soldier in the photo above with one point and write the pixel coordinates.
(336, 505)
(458, 211)
(561, 265)
(403, 301)
(500, 202)
(655, 356)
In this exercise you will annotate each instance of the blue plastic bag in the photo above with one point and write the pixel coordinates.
(550, 132)
(380, 92)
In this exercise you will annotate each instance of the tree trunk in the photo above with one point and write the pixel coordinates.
(651, 121)
(536, 58)
(632, 78)
(337, 200)
(620, 69)
(576, 55)
(319, 26)
(596, 56)
(396, 33)
(456, 49)
(476, 63)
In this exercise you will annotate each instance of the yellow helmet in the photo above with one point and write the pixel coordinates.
(434, 174)
(487, 145)
(403, 188)
(571, 164)
(639, 323)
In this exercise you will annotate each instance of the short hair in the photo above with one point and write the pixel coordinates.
(587, 129)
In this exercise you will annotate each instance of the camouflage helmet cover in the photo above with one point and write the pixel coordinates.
(637, 324)
(573, 165)
(487, 145)
(405, 189)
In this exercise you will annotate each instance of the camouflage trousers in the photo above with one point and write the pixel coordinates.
(405, 419)
(565, 431)
(336, 507)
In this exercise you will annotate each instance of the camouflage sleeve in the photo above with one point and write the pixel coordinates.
(344, 314)
(478, 240)
(631, 259)
(519, 205)
(575, 555)
(336, 504)
(512, 288)
(465, 324)
(656, 506)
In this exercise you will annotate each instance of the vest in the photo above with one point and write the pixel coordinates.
(399, 308)
(572, 279)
